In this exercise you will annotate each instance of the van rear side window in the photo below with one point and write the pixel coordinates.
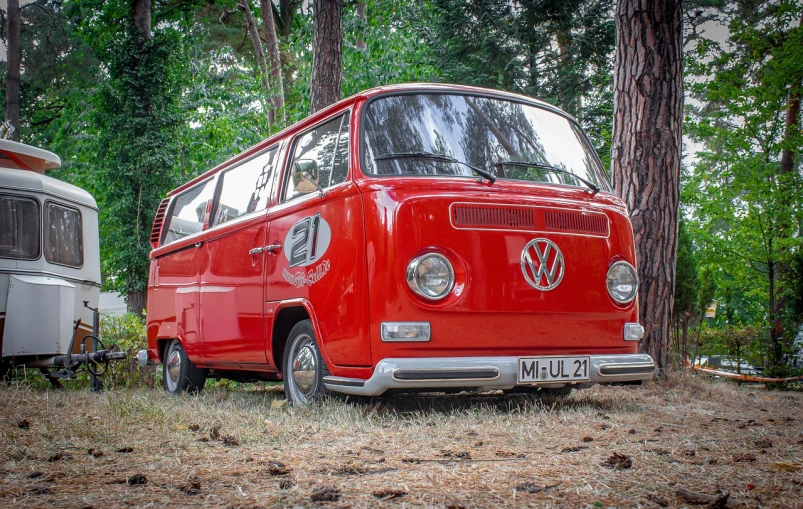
(189, 209)
(245, 188)
(19, 228)
(64, 239)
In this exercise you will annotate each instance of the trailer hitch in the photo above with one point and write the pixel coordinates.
(96, 361)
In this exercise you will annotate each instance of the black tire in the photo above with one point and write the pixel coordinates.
(179, 374)
(303, 368)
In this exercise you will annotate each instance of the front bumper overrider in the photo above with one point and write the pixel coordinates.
(483, 373)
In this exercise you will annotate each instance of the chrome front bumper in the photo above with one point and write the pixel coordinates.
(485, 373)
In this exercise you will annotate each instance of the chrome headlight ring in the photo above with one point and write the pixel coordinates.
(622, 282)
(431, 276)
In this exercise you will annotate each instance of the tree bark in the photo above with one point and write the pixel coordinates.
(142, 17)
(363, 19)
(274, 57)
(251, 27)
(327, 54)
(646, 150)
(135, 303)
(12, 105)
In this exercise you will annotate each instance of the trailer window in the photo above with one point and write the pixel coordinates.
(19, 228)
(245, 188)
(189, 208)
(323, 154)
(64, 240)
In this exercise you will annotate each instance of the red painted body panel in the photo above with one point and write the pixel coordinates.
(232, 295)
(222, 303)
(492, 310)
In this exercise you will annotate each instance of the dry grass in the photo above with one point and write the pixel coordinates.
(232, 449)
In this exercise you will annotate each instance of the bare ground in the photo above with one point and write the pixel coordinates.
(603, 447)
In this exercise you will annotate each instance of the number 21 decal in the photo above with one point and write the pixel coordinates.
(307, 241)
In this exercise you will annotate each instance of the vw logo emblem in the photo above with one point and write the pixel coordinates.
(542, 264)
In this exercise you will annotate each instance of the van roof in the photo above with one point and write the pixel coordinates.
(20, 156)
(364, 95)
(15, 180)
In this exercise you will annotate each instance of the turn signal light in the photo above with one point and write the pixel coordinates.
(405, 331)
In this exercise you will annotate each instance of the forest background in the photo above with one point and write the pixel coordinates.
(131, 119)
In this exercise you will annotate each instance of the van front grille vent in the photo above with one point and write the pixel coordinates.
(158, 221)
(477, 216)
(576, 222)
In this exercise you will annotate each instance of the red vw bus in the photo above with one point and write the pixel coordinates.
(413, 237)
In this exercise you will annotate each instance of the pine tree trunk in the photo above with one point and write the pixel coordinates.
(327, 54)
(274, 56)
(13, 74)
(251, 27)
(135, 303)
(646, 150)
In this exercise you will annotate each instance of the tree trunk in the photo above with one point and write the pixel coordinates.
(135, 303)
(251, 26)
(646, 150)
(142, 17)
(274, 57)
(363, 19)
(13, 75)
(327, 54)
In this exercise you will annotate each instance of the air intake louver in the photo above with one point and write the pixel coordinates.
(158, 221)
(576, 222)
(478, 216)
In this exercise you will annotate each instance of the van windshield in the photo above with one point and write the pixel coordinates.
(402, 134)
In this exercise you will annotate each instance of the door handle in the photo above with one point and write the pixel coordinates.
(255, 251)
(197, 244)
(273, 247)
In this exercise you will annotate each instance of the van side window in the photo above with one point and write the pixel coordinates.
(64, 239)
(19, 228)
(187, 216)
(321, 153)
(244, 188)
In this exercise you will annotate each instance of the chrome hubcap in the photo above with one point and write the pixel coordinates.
(173, 368)
(305, 367)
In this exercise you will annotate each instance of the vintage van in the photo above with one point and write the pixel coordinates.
(408, 238)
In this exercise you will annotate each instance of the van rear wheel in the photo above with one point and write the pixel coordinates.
(179, 374)
(303, 367)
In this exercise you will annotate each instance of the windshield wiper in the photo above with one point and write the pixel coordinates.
(594, 188)
(436, 157)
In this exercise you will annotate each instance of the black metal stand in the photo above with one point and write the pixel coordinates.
(97, 383)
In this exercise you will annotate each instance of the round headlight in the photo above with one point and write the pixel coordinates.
(430, 276)
(622, 282)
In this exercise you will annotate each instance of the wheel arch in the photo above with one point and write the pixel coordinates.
(288, 314)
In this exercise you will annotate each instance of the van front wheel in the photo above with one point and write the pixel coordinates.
(303, 367)
(179, 374)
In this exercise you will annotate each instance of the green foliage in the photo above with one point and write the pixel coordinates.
(138, 118)
(127, 334)
(687, 285)
(744, 211)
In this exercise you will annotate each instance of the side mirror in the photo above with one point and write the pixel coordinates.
(305, 177)
(301, 166)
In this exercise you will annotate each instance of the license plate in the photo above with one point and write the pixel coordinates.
(552, 369)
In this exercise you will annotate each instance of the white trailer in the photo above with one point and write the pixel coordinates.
(49, 263)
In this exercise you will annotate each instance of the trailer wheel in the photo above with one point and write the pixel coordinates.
(303, 366)
(179, 374)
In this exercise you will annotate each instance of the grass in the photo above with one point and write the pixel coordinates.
(245, 449)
